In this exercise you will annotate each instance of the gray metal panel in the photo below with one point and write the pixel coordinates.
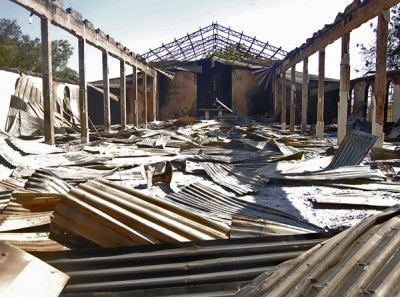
(354, 148)
(190, 267)
(362, 259)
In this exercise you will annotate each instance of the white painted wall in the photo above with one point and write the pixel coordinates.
(7, 89)
(396, 103)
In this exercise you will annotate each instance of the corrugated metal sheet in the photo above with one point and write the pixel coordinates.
(202, 268)
(342, 173)
(102, 213)
(353, 149)
(362, 260)
(31, 241)
(46, 182)
(248, 227)
(211, 203)
(237, 180)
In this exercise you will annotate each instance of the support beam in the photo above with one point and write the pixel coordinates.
(278, 99)
(292, 98)
(106, 96)
(304, 99)
(283, 114)
(83, 98)
(344, 88)
(47, 72)
(131, 115)
(321, 94)
(380, 76)
(144, 92)
(122, 91)
(352, 18)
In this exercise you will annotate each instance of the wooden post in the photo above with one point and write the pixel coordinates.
(304, 99)
(83, 99)
(283, 114)
(122, 90)
(144, 85)
(344, 88)
(47, 72)
(321, 94)
(293, 98)
(132, 106)
(380, 76)
(278, 99)
(106, 89)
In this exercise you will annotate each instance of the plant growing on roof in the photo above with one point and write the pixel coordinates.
(237, 52)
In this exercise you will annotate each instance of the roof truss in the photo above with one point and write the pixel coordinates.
(214, 37)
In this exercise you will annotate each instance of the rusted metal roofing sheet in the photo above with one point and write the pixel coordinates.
(211, 203)
(200, 268)
(21, 274)
(237, 180)
(46, 182)
(353, 149)
(362, 260)
(102, 213)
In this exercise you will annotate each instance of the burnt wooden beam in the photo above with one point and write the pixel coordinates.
(355, 15)
(83, 98)
(321, 94)
(106, 94)
(283, 114)
(292, 98)
(344, 88)
(380, 76)
(304, 98)
(122, 90)
(47, 72)
(278, 98)
(71, 21)
(144, 96)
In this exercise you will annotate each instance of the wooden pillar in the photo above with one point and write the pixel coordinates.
(153, 99)
(380, 76)
(321, 94)
(83, 99)
(304, 99)
(344, 88)
(132, 106)
(144, 92)
(122, 91)
(47, 72)
(278, 99)
(283, 114)
(293, 98)
(106, 89)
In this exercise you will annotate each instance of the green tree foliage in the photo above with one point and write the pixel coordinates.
(393, 53)
(21, 51)
(236, 52)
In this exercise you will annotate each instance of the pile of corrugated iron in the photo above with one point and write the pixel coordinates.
(165, 211)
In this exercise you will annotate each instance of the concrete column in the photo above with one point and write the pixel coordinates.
(321, 94)
(292, 98)
(304, 99)
(344, 88)
(380, 76)
(83, 99)
(47, 72)
(106, 89)
(283, 114)
(122, 92)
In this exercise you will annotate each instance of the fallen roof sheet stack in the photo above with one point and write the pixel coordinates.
(102, 213)
(362, 260)
(205, 268)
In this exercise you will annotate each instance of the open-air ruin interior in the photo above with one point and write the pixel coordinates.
(194, 174)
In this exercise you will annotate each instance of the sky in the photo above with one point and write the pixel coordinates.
(141, 25)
